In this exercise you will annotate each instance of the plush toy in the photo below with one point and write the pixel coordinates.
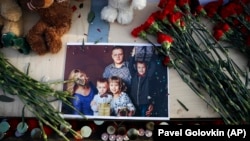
(121, 10)
(11, 24)
(55, 21)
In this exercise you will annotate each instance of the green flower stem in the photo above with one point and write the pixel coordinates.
(197, 91)
(41, 116)
(204, 64)
(36, 96)
(45, 137)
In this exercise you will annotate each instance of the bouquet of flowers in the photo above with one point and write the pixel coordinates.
(231, 23)
(36, 97)
(202, 62)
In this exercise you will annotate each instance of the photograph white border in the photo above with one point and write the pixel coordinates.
(71, 116)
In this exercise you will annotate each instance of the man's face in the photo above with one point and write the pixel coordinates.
(117, 56)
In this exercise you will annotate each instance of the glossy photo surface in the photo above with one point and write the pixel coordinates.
(116, 81)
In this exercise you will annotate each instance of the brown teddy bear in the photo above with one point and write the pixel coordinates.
(55, 21)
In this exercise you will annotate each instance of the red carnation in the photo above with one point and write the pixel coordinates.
(165, 40)
(175, 17)
(218, 35)
(182, 3)
(212, 7)
(223, 26)
(149, 21)
(151, 25)
(164, 4)
(230, 10)
(139, 32)
(161, 38)
(166, 60)
(200, 10)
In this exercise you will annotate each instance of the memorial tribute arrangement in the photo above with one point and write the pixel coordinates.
(194, 52)
(201, 58)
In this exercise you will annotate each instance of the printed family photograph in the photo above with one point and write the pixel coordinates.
(115, 81)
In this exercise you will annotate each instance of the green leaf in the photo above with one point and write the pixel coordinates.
(91, 16)
(28, 69)
(5, 98)
(182, 104)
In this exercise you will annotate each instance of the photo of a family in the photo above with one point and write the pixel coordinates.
(116, 81)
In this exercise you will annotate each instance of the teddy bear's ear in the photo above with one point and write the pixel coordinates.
(47, 3)
(35, 4)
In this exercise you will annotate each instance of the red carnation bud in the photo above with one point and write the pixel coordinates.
(166, 60)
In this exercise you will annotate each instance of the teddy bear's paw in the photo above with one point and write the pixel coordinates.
(109, 14)
(41, 50)
(56, 48)
(139, 4)
(55, 45)
(125, 17)
(53, 40)
(36, 43)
